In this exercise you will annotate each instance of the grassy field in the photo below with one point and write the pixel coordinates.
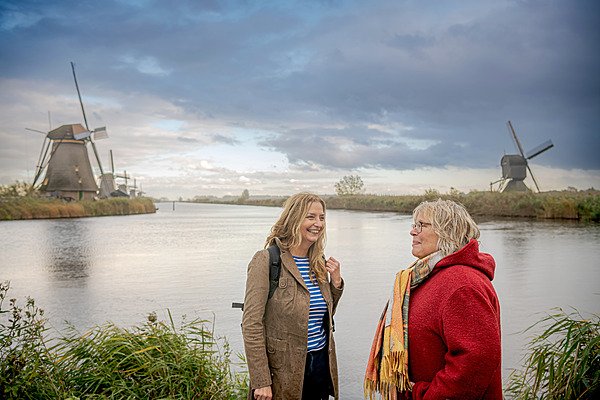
(572, 205)
(30, 207)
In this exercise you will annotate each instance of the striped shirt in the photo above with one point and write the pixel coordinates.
(316, 334)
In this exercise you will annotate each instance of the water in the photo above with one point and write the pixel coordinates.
(192, 261)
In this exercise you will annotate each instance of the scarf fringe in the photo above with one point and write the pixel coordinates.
(393, 377)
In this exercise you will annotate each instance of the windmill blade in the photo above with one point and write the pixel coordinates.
(85, 119)
(79, 95)
(97, 157)
(514, 135)
(41, 160)
(533, 177)
(540, 149)
(35, 130)
(42, 156)
(46, 158)
(43, 153)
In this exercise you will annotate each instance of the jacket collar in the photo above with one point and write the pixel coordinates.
(287, 261)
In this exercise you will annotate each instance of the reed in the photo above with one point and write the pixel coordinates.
(33, 207)
(153, 360)
(563, 361)
(572, 205)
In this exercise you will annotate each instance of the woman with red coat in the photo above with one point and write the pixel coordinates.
(439, 335)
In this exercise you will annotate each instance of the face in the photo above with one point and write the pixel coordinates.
(313, 224)
(424, 242)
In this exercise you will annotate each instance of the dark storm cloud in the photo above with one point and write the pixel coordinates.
(349, 147)
(454, 73)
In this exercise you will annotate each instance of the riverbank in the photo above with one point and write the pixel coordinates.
(29, 207)
(568, 205)
(157, 359)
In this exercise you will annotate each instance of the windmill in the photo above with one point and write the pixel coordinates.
(108, 185)
(65, 160)
(515, 166)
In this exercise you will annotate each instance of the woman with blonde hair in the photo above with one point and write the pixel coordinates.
(439, 335)
(288, 337)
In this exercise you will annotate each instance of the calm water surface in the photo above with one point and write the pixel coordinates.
(192, 261)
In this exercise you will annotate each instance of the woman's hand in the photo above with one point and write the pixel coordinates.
(264, 393)
(333, 267)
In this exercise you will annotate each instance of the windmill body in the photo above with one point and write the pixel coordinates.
(107, 185)
(69, 172)
(514, 171)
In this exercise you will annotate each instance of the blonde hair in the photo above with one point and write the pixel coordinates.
(287, 229)
(450, 221)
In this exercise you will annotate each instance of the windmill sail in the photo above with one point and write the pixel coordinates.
(100, 133)
(540, 149)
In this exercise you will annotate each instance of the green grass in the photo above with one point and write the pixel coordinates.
(155, 360)
(563, 361)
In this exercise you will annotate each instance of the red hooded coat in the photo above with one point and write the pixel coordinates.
(454, 330)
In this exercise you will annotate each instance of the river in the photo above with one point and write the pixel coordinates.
(191, 259)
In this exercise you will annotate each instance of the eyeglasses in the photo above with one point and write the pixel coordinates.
(418, 227)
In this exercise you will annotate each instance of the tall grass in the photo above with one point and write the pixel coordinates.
(563, 361)
(32, 207)
(155, 360)
(574, 205)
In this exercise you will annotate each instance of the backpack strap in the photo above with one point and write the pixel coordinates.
(274, 268)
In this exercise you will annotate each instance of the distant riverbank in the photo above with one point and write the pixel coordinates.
(571, 205)
(27, 207)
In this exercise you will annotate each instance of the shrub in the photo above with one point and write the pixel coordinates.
(563, 362)
(153, 360)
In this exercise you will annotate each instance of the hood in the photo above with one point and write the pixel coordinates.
(470, 256)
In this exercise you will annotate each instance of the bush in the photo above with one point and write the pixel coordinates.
(563, 362)
(153, 360)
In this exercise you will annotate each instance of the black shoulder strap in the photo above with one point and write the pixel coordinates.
(274, 268)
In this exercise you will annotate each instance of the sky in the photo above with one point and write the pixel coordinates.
(214, 97)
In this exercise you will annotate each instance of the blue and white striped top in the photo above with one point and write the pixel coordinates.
(316, 333)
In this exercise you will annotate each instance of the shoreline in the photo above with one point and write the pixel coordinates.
(28, 208)
(564, 205)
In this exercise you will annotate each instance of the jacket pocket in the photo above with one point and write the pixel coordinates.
(276, 352)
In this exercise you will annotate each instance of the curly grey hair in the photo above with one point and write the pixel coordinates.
(450, 221)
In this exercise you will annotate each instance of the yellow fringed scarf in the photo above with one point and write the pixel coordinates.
(387, 368)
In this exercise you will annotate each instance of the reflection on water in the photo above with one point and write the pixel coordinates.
(192, 260)
(68, 251)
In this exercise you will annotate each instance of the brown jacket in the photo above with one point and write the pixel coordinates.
(276, 331)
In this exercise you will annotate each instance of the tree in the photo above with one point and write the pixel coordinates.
(244, 197)
(17, 189)
(349, 185)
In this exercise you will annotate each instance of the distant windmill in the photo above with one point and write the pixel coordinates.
(108, 185)
(515, 166)
(65, 159)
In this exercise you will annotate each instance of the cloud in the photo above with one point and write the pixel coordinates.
(323, 86)
(145, 64)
